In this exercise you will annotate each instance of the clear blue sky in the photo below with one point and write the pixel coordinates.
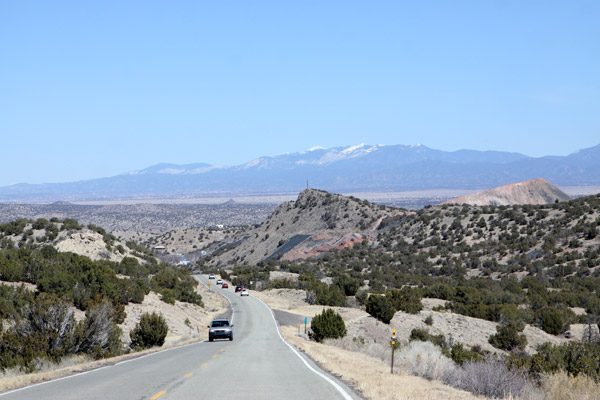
(92, 89)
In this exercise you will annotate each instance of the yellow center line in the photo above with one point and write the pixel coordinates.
(190, 374)
(214, 356)
(157, 395)
(204, 365)
(222, 350)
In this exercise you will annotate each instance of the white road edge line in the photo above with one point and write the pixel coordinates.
(98, 369)
(328, 379)
(115, 364)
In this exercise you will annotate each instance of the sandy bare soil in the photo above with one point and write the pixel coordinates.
(198, 318)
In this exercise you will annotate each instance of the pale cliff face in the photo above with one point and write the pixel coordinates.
(535, 191)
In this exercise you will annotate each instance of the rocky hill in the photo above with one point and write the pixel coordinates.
(69, 236)
(315, 223)
(535, 191)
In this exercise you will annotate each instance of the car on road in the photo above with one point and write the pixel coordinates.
(211, 276)
(219, 281)
(220, 329)
(225, 285)
(238, 289)
(245, 292)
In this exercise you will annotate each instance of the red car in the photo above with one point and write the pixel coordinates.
(238, 289)
(225, 286)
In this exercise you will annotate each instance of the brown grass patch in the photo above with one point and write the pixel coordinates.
(561, 386)
(372, 377)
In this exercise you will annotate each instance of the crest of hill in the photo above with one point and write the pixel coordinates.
(535, 191)
(69, 236)
(316, 222)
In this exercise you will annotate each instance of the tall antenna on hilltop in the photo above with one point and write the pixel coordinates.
(307, 183)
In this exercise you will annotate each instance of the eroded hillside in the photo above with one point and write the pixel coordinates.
(315, 223)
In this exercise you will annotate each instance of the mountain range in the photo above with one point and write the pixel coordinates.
(340, 169)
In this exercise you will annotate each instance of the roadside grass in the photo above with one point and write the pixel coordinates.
(371, 376)
(561, 386)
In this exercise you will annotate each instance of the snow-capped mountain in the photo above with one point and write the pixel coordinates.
(356, 168)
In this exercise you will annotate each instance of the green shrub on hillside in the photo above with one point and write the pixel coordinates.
(508, 338)
(150, 331)
(327, 325)
(381, 308)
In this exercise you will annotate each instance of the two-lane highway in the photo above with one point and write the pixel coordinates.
(257, 364)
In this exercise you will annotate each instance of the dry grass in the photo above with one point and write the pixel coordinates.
(561, 386)
(372, 377)
(426, 360)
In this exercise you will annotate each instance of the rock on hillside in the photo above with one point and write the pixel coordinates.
(316, 222)
(535, 191)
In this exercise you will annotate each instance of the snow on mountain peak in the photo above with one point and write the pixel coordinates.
(351, 149)
(314, 148)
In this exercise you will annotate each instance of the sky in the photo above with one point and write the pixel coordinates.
(90, 89)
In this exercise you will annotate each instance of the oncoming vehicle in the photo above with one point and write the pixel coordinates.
(219, 281)
(245, 292)
(225, 286)
(220, 329)
(211, 276)
(238, 289)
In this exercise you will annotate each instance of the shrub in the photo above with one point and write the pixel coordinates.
(490, 378)
(426, 360)
(508, 338)
(98, 334)
(150, 331)
(424, 336)
(327, 325)
(381, 308)
(407, 300)
(167, 296)
(553, 321)
(349, 285)
(460, 355)
(574, 358)
(361, 297)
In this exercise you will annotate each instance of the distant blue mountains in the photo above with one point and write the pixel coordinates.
(360, 168)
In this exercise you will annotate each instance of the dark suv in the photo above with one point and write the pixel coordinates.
(220, 329)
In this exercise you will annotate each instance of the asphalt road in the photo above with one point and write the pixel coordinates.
(257, 364)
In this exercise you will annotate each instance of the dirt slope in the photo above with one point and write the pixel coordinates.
(535, 191)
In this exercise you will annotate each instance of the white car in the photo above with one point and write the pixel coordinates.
(219, 281)
(245, 292)
(211, 276)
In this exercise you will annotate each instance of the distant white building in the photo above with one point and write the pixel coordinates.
(159, 249)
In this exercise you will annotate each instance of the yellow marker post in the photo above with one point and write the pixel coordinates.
(393, 347)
